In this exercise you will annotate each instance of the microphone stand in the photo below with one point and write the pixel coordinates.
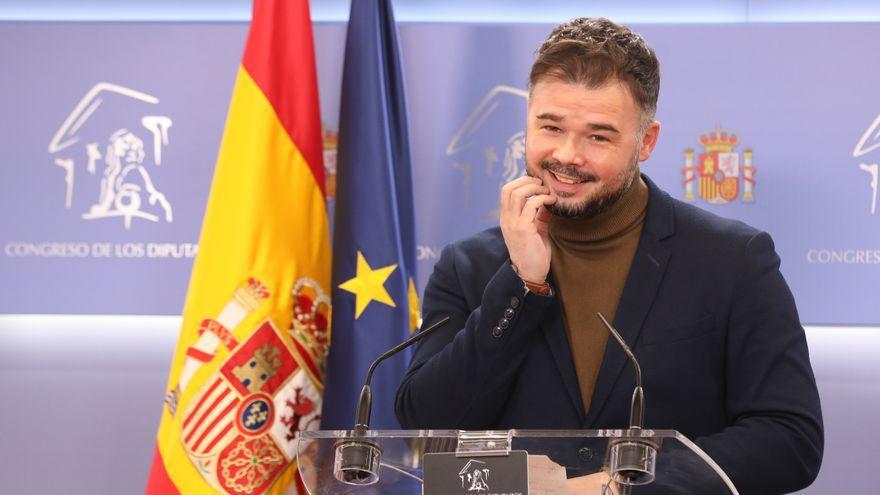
(357, 457)
(633, 458)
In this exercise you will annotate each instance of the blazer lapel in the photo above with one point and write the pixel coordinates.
(553, 328)
(645, 275)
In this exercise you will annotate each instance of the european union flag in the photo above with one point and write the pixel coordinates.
(375, 305)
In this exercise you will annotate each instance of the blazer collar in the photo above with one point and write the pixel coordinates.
(660, 220)
(553, 326)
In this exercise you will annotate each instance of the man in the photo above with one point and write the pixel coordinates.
(698, 298)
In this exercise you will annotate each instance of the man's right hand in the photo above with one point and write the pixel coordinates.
(524, 224)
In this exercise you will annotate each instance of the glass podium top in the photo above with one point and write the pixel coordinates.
(559, 461)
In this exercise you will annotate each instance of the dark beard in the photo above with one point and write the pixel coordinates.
(597, 206)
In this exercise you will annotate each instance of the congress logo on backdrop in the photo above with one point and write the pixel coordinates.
(869, 142)
(719, 175)
(489, 147)
(110, 149)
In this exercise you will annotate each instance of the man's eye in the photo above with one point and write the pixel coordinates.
(599, 138)
(551, 128)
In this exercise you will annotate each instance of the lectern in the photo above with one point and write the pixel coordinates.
(512, 462)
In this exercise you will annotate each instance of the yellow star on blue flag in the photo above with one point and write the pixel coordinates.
(368, 285)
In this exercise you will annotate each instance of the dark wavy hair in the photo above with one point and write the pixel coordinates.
(592, 51)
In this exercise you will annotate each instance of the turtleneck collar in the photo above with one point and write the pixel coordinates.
(624, 215)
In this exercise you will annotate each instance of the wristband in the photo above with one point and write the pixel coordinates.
(540, 288)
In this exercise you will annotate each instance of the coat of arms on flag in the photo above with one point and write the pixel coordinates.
(718, 171)
(238, 429)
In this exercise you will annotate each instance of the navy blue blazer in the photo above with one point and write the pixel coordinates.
(705, 310)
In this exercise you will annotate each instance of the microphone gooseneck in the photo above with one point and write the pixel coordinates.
(365, 402)
(357, 457)
(637, 406)
(632, 458)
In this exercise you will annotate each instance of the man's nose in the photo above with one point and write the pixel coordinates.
(571, 152)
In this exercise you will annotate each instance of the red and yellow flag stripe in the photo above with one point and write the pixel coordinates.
(265, 232)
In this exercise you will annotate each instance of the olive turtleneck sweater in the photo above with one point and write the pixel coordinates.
(590, 261)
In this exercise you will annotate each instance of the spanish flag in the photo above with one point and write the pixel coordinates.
(248, 371)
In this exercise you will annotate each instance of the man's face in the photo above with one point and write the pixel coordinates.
(585, 143)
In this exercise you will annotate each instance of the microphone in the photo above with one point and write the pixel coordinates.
(633, 459)
(357, 458)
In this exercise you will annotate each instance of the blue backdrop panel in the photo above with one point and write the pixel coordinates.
(77, 157)
(801, 98)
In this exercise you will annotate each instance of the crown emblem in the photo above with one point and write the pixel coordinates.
(310, 325)
(719, 140)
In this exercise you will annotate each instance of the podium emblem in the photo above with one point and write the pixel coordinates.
(474, 476)
(447, 474)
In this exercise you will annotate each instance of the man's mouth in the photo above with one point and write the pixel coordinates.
(567, 179)
(567, 176)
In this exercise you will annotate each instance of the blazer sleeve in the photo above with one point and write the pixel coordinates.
(461, 375)
(775, 439)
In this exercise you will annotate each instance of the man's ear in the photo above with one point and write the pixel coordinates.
(649, 140)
